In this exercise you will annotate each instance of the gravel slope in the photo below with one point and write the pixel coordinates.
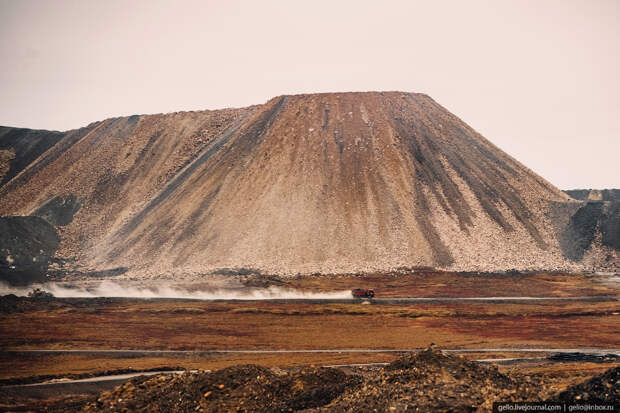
(322, 183)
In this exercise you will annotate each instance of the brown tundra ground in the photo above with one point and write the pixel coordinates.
(200, 326)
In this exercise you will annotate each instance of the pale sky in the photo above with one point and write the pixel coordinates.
(540, 79)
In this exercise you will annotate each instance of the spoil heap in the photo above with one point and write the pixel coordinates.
(319, 183)
(245, 388)
(429, 381)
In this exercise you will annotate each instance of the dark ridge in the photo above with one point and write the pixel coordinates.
(586, 223)
(583, 194)
(69, 139)
(58, 211)
(581, 230)
(28, 145)
(610, 226)
(611, 194)
(114, 128)
(578, 194)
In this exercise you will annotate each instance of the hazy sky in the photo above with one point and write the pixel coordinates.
(540, 79)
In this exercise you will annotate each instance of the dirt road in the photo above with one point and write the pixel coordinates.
(138, 352)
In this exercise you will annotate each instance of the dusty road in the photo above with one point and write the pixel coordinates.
(138, 352)
(414, 300)
(91, 385)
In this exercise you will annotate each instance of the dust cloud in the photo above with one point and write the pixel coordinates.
(113, 289)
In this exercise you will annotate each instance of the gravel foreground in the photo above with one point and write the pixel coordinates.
(429, 381)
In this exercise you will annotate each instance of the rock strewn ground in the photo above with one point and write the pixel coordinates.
(245, 388)
(602, 388)
(429, 381)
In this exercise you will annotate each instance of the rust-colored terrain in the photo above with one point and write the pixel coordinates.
(196, 330)
(106, 323)
(316, 194)
(324, 183)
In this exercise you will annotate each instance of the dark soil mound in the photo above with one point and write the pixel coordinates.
(585, 357)
(58, 211)
(26, 245)
(9, 304)
(603, 388)
(427, 381)
(431, 381)
(586, 223)
(60, 404)
(246, 388)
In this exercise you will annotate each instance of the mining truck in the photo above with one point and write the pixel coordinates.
(39, 293)
(362, 293)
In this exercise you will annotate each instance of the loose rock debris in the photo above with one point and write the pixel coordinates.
(428, 381)
(603, 388)
(245, 388)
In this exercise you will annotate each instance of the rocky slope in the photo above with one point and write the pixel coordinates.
(343, 182)
(99, 174)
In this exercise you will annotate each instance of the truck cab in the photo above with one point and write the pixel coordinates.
(363, 293)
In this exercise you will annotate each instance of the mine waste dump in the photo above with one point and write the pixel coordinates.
(428, 381)
(302, 184)
(112, 289)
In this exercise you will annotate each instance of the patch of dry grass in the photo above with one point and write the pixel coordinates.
(448, 284)
(201, 325)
